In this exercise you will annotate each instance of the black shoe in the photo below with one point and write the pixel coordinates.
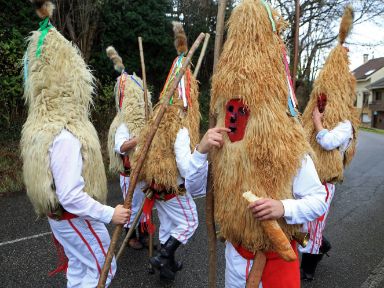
(308, 265)
(325, 246)
(176, 265)
(165, 260)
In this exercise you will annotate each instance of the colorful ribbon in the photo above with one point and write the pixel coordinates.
(25, 67)
(269, 15)
(292, 101)
(45, 26)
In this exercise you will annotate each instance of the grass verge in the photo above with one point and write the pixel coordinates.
(374, 130)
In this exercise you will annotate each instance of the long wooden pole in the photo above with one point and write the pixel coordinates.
(219, 31)
(296, 44)
(209, 204)
(150, 250)
(202, 53)
(257, 269)
(143, 153)
(133, 226)
(144, 78)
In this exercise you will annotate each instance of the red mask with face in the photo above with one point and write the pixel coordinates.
(321, 102)
(236, 119)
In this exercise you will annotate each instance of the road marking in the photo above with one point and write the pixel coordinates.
(376, 277)
(25, 238)
(47, 233)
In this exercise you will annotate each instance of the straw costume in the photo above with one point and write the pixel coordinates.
(334, 146)
(62, 163)
(266, 151)
(126, 126)
(170, 162)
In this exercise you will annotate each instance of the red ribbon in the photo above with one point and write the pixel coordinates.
(62, 260)
(147, 211)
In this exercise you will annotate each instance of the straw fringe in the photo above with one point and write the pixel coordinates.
(58, 92)
(44, 8)
(132, 114)
(338, 83)
(115, 58)
(274, 145)
(346, 23)
(160, 164)
(181, 44)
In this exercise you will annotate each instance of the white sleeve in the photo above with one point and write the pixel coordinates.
(182, 151)
(121, 135)
(66, 166)
(309, 193)
(192, 167)
(335, 138)
(196, 180)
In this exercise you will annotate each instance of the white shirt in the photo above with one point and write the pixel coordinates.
(66, 165)
(121, 135)
(339, 137)
(309, 194)
(192, 167)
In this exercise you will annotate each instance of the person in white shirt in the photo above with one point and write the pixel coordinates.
(331, 121)
(262, 149)
(62, 164)
(122, 139)
(80, 228)
(307, 205)
(169, 163)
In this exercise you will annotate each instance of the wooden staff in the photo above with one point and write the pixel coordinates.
(296, 46)
(219, 31)
(143, 153)
(133, 226)
(257, 269)
(202, 53)
(150, 250)
(144, 78)
(209, 201)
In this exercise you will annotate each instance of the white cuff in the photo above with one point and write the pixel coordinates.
(107, 214)
(198, 158)
(288, 210)
(321, 134)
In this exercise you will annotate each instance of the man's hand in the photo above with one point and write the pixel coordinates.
(267, 209)
(121, 215)
(213, 138)
(317, 118)
(128, 145)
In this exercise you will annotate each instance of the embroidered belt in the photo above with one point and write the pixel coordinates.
(246, 254)
(61, 214)
(167, 194)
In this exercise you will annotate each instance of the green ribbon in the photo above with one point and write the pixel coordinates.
(45, 26)
(270, 15)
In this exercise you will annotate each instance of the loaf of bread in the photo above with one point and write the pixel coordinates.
(274, 232)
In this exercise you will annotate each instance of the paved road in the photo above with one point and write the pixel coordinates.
(356, 221)
(355, 228)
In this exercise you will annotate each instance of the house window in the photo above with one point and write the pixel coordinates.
(365, 98)
(365, 118)
(379, 96)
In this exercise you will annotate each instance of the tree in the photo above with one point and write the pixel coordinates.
(16, 22)
(318, 32)
(121, 23)
(78, 21)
